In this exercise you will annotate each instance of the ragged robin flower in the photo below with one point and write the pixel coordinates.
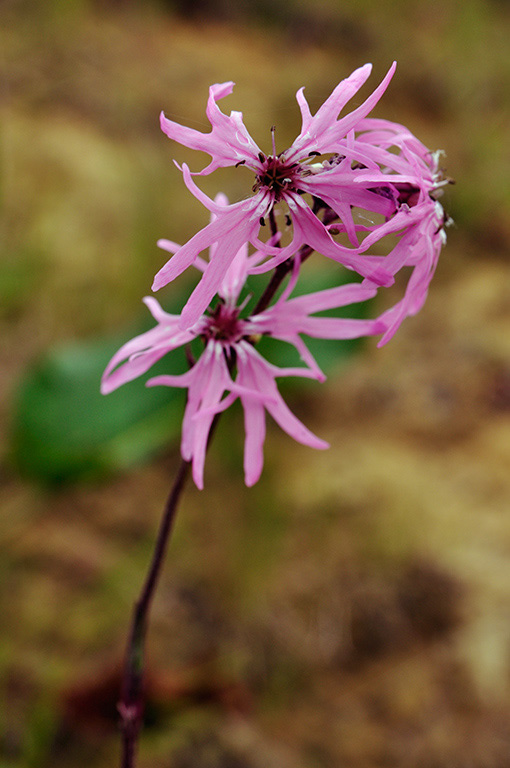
(343, 164)
(230, 367)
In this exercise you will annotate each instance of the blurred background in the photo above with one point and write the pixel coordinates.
(353, 609)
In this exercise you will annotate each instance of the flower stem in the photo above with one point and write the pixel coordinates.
(283, 269)
(131, 704)
(273, 225)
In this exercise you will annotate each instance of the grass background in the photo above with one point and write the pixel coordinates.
(353, 609)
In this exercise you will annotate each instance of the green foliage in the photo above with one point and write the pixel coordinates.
(64, 429)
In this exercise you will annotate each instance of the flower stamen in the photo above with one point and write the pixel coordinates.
(224, 324)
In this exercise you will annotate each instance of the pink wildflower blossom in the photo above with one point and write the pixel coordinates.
(229, 345)
(361, 170)
(423, 243)
(419, 220)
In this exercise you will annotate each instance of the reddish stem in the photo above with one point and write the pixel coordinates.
(131, 704)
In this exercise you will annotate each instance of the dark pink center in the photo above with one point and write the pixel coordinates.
(224, 324)
(277, 176)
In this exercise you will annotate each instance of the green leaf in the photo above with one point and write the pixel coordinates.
(65, 430)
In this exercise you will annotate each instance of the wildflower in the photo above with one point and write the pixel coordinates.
(419, 220)
(230, 367)
(285, 178)
(423, 243)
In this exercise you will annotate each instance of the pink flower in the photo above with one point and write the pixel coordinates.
(419, 220)
(342, 181)
(423, 243)
(229, 345)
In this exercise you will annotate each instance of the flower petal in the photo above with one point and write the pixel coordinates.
(313, 127)
(135, 357)
(322, 132)
(261, 374)
(228, 142)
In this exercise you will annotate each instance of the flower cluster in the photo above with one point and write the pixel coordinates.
(346, 188)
